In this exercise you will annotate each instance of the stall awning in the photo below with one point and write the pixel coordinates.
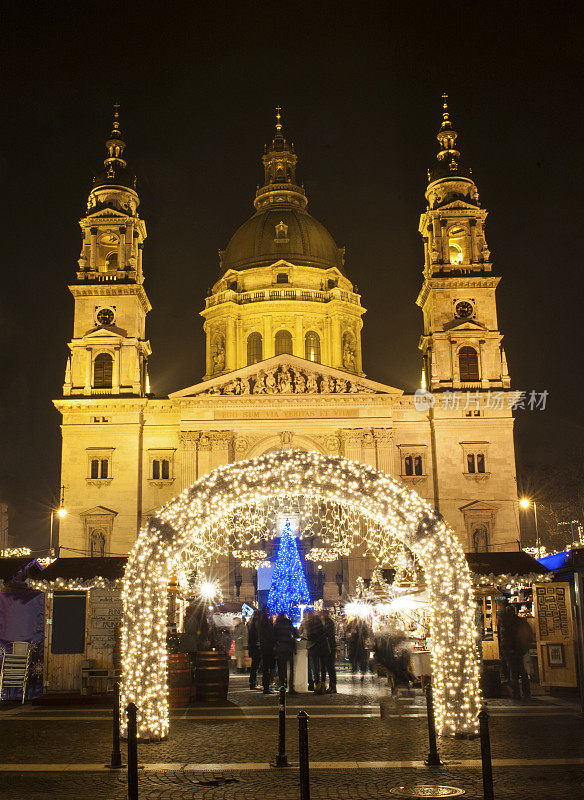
(514, 562)
(109, 568)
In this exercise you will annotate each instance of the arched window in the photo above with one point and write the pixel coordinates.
(254, 348)
(468, 362)
(111, 261)
(103, 368)
(312, 347)
(456, 245)
(455, 252)
(283, 343)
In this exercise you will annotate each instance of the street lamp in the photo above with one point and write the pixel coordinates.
(525, 503)
(61, 513)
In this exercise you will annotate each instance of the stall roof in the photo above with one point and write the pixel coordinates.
(84, 568)
(19, 568)
(514, 562)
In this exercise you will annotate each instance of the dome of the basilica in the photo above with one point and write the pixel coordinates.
(282, 232)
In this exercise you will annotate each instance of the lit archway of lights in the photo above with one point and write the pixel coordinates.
(195, 520)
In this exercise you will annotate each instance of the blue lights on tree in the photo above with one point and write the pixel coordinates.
(288, 587)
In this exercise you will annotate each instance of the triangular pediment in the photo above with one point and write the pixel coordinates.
(464, 325)
(108, 333)
(96, 510)
(106, 211)
(460, 204)
(288, 375)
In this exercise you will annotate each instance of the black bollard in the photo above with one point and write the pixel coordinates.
(116, 759)
(486, 755)
(303, 755)
(433, 759)
(281, 757)
(132, 753)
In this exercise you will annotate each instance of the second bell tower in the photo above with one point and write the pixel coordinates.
(109, 349)
(461, 343)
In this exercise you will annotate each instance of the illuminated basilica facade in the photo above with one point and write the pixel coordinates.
(284, 367)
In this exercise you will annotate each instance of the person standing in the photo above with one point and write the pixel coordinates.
(329, 652)
(285, 649)
(266, 642)
(315, 641)
(253, 648)
(358, 635)
(516, 637)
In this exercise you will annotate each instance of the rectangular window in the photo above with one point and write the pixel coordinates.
(104, 468)
(408, 466)
(165, 469)
(470, 463)
(156, 469)
(94, 473)
(480, 462)
(418, 465)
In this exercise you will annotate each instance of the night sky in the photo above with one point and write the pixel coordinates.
(360, 86)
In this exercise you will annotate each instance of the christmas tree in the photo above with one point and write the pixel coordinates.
(288, 585)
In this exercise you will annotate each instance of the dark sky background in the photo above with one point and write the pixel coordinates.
(360, 84)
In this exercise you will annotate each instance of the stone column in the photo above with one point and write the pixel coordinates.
(483, 367)
(188, 444)
(116, 371)
(220, 441)
(241, 356)
(93, 248)
(139, 265)
(88, 365)
(473, 255)
(369, 456)
(230, 344)
(359, 365)
(437, 233)
(384, 440)
(336, 355)
(268, 348)
(327, 355)
(352, 443)
(122, 248)
(298, 340)
(208, 354)
(204, 455)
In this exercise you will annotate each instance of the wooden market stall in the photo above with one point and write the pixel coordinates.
(83, 611)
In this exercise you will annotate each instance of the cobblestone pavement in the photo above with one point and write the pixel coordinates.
(239, 734)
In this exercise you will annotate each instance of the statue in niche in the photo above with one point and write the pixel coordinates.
(284, 381)
(219, 355)
(348, 352)
(271, 387)
(299, 383)
(311, 384)
(260, 384)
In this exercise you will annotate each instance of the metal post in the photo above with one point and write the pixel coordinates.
(281, 757)
(433, 759)
(486, 755)
(303, 755)
(132, 753)
(116, 759)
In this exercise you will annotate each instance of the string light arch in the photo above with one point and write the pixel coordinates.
(195, 521)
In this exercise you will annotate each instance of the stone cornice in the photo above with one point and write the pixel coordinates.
(112, 290)
(458, 282)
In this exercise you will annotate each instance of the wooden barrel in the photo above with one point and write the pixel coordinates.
(179, 680)
(212, 676)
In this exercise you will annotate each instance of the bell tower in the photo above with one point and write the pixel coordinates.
(109, 350)
(461, 343)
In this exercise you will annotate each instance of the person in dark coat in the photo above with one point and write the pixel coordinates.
(329, 652)
(357, 635)
(316, 645)
(267, 641)
(516, 638)
(253, 648)
(285, 648)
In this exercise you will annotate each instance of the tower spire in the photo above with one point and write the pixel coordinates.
(447, 136)
(279, 162)
(278, 120)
